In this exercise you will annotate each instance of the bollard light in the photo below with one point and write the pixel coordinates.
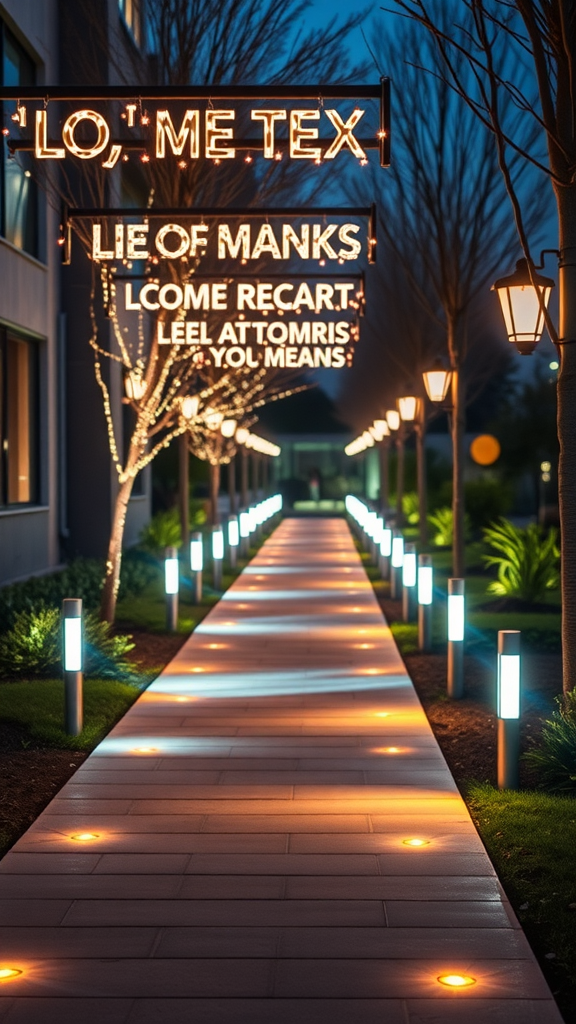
(217, 555)
(508, 707)
(409, 577)
(72, 661)
(197, 563)
(425, 595)
(244, 530)
(396, 560)
(171, 587)
(456, 621)
(385, 551)
(233, 539)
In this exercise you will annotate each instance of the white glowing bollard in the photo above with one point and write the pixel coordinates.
(217, 555)
(244, 528)
(252, 519)
(396, 562)
(508, 707)
(197, 564)
(233, 539)
(171, 587)
(425, 597)
(456, 622)
(409, 580)
(377, 531)
(72, 663)
(385, 551)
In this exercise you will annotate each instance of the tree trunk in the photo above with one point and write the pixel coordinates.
(232, 485)
(421, 481)
(458, 426)
(566, 198)
(214, 491)
(264, 476)
(244, 478)
(400, 478)
(114, 556)
(254, 477)
(184, 488)
(384, 476)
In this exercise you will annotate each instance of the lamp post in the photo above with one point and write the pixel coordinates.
(524, 298)
(409, 578)
(171, 586)
(197, 564)
(456, 618)
(72, 663)
(189, 408)
(508, 696)
(217, 555)
(407, 410)
(425, 596)
(241, 436)
(437, 380)
(383, 440)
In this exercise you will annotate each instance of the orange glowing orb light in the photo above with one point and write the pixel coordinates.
(144, 750)
(382, 714)
(8, 973)
(216, 647)
(485, 450)
(85, 837)
(364, 647)
(416, 842)
(456, 980)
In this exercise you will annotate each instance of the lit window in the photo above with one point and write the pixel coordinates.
(19, 205)
(18, 419)
(131, 11)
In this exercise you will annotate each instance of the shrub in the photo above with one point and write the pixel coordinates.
(528, 562)
(411, 508)
(555, 759)
(197, 513)
(33, 647)
(486, 500)
(442, 523)
(161, 532)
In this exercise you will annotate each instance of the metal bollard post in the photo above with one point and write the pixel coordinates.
(425, 596)
(409, 583)
(197, 564)
(396, 565)
(217, 555)
(72, 663)
(456, 638)
(508, 696)
(244, 523)
(171, 586)
(385, 552)
(233, 539)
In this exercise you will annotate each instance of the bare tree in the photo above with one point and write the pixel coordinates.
(443, 209)
(487, 68)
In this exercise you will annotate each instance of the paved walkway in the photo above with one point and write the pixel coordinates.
(251, 813)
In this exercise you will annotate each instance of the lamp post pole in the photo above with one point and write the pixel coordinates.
(400, 475)
(384, 452)
(420, 429)
(184, 487)
(232, 484)
(243, 478)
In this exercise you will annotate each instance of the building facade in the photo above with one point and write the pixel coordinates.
(57, 482)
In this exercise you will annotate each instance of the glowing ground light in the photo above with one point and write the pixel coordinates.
(144, 750)
(416, 842)
(382, 714)
(456, 980)
(391, 750)
(7, 973)
(85, 837)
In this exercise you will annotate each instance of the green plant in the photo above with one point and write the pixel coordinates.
(442, 523)
(528, 562)
(161, 532)
(32, 648)
(411, 508)
(197, 513)
(555, 758)
(486, 499)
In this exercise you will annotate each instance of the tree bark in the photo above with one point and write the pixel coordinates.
(400, 477)
(421, 480)
(114, 556)
(265, 476)
(214, 491)
(254, 477)
(566, 199)
(384, 476)
(244, 478)
(458, 426)
(184, 488)
(232, 485)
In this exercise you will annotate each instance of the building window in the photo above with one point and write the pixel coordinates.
(19, 200)
(131, 11)
(18, 419)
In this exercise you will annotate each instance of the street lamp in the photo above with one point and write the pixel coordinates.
(135, 385)
(382, 429)
(228, 428)
(393, 419)
(189, 406)
(437, 381)
(407, 407)
(524, 300)
(213, 419)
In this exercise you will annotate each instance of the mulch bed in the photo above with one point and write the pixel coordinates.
(466, 729)
(30, 776)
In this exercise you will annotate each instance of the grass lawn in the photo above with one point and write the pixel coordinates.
(531, 837)
(37, 707)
